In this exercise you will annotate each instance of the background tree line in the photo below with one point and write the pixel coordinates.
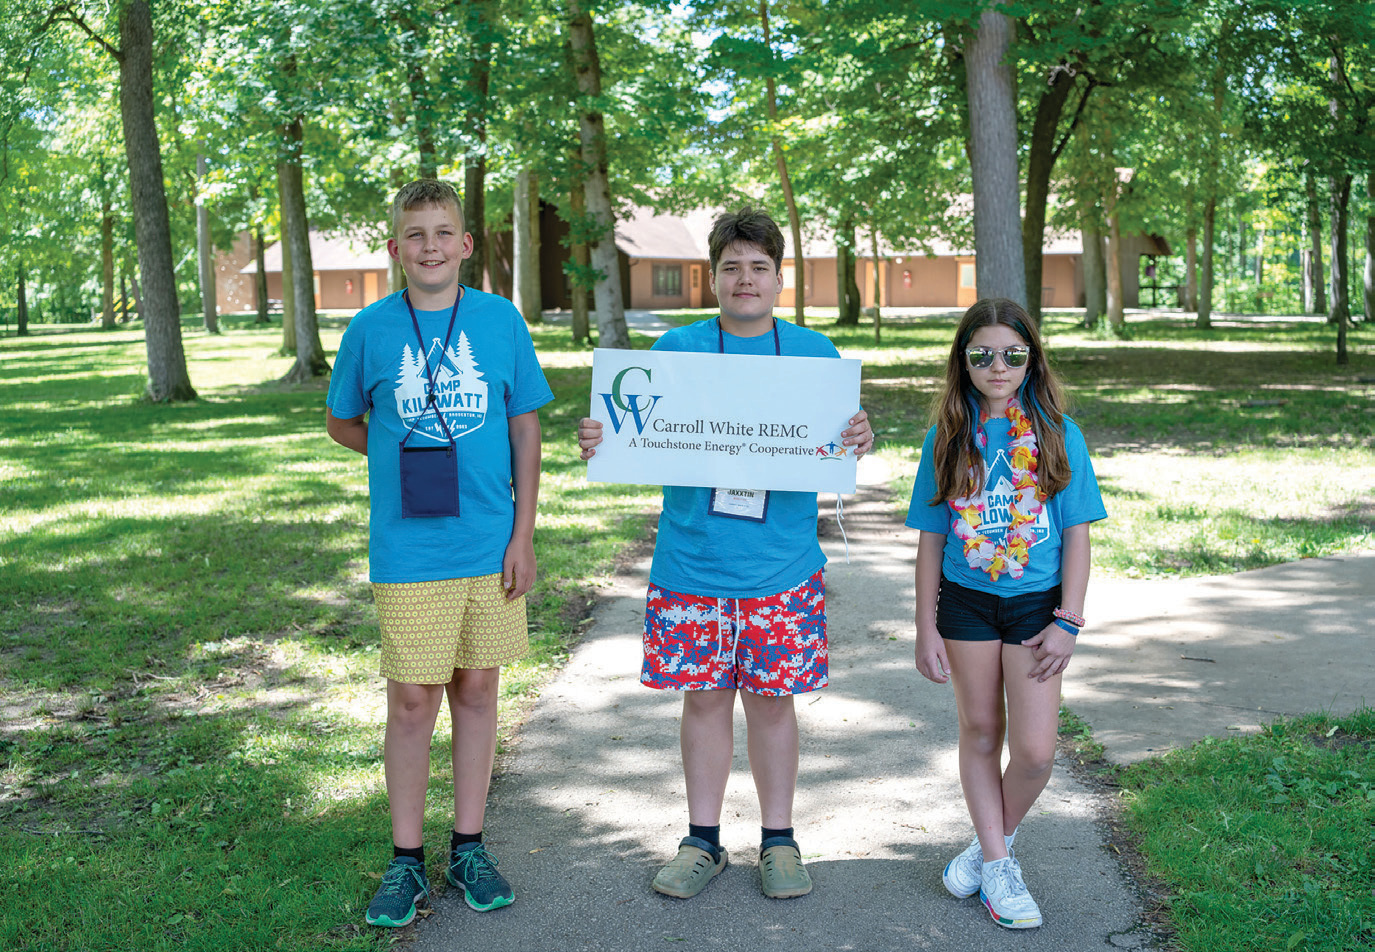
(138, 135)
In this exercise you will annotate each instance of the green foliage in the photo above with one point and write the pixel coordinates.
(1267, 841)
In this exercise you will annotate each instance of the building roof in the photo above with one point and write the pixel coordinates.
(329, 252)
(648, 234)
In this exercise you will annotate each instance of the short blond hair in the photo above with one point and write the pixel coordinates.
(426, 193)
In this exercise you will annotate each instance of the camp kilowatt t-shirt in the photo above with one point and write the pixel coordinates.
(1077, 503)
(488, 374)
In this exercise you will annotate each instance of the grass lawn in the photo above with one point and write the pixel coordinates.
(190, 744)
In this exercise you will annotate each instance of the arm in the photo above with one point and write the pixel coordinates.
(860, 435)
(931, 660)
(351, 433)
(589, 435)
(518, 566)
(1053, 645)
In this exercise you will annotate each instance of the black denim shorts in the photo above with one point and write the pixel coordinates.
(967, 614)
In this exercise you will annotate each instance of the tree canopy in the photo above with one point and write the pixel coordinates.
(852, 117)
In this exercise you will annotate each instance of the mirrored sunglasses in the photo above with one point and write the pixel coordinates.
(981, 358)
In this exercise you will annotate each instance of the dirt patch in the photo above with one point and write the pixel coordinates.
(1339, 741)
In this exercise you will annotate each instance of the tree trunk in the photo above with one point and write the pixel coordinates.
(1117, 320)
(288, 298)
(480, 37)
(525, 252)
(21, 317)
(1316, 302)
(123, 296)
(1260, 258)
(107, 264)
(1204, 318)
(1341, 306)
(138, 292)
(611, 329)
(847, 288)
(1040, 161)
(781, 162)
(1191, 270)
(427, 166)
(396, 277)
(260, 279)
(1095, 276)
(205, 251)
(992, 95)
(167, 376)
(310, 355)
(878, 286)
(581, 261)
(1370, 249)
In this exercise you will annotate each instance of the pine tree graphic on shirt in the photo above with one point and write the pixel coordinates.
(460, 393)
(997, 500)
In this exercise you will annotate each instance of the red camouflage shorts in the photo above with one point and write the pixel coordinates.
(774, 645)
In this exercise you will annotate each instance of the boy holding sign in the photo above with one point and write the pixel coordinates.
(736, 598)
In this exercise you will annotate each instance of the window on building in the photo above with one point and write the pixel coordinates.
(966, 275)
(668, 280)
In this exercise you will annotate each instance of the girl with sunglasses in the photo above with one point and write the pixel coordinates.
(1004, 496)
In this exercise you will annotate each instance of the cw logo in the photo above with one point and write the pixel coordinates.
(629, 403)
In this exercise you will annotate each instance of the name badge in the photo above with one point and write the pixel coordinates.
(749, 504)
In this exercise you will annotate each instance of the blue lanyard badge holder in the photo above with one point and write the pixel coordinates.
(752, 505)
(429, 474)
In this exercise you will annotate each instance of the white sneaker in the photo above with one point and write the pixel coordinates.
(1005, 895)
(964, 873)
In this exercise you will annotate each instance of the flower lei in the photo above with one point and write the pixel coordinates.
(1013, 553)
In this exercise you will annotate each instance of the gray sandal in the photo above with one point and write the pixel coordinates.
(691, 870)
(781, 872)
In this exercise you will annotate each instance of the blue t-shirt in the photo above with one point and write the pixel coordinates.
(701, 554)
(1078, 502)
(488, 374)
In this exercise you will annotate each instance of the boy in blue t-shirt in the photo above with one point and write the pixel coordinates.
(439, 387)
(738, 604)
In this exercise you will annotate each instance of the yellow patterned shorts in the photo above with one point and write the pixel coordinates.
(431, 628)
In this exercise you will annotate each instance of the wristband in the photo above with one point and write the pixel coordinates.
(1067, 626)
(1074, 619)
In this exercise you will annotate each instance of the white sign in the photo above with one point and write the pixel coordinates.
(724, 420)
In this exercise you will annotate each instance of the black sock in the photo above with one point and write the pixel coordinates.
(457, 839)
(712, 834)
(767, 834)
(417, 854)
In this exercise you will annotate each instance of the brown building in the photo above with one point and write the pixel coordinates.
(664, 267)
(349, 273)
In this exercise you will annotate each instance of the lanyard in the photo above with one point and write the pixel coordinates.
(721, 339)
(425, 357)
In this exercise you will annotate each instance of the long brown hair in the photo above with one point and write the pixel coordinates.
(957, 407)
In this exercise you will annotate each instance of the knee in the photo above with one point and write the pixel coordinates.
(983, 736)
(1033, 762)
(475, 689)
(769, 711)
(413, 704)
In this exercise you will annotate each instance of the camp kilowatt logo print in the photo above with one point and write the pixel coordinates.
(998, 495)
(460, 393)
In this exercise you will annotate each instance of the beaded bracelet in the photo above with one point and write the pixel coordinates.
(1067, 626)
(1069, 616)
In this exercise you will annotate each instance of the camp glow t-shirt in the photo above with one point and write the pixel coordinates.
(488, 374)
(1077, 503)
(701, 554)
